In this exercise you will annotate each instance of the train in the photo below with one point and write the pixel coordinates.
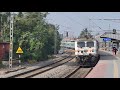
(67, 46)
(87, 52)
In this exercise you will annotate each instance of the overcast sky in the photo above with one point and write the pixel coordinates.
(74, 22)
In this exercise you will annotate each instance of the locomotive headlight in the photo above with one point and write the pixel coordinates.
(81, 51)
(92, 50)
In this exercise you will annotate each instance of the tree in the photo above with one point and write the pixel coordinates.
(85, 34)
(20, 14)
(32, 33)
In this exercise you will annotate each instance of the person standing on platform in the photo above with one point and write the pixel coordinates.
(115, 50)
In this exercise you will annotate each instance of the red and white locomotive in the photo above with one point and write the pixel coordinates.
(87, 52)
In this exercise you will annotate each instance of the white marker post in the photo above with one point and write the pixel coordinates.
(19, 51)
(19, 61)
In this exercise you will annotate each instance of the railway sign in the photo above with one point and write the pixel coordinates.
(19, 50)
(106, 39)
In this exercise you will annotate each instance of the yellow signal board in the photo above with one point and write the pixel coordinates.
(19, 50)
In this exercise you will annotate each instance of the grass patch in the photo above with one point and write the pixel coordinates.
(32, 61)
(1, 65)
(51, 57)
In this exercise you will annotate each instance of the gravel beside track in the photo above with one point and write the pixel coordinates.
(31, 67)
(65, 70)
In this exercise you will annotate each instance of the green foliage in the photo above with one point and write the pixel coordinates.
(32, 33)
(1, 65)
(4, 25)
(85, 33)
(34, 36)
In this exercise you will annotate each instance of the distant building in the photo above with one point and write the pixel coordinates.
(4, 50)
(115, 39)
(103, 44)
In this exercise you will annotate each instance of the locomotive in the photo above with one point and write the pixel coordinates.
(87, 52)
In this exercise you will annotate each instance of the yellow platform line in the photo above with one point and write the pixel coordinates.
(116, 75)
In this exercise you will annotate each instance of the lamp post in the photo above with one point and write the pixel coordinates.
(55, 40)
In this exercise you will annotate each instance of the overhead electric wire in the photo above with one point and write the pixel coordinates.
(108, 20)
(112, 20)
(67, 27)
(95, 24)
(71, 19)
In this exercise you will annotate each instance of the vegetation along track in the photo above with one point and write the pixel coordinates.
(40, 70)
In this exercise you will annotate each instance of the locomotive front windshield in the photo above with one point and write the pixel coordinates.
(81, 44)
(90, 44)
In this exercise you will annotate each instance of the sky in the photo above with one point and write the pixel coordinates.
(75, 22)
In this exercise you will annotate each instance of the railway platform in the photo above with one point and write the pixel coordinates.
(107, 67)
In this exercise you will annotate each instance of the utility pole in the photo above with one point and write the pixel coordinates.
(1, 27)
(66, 34)
(11, 40)
(55, 44)
(4, 28)
(109, 26)
(89, 24)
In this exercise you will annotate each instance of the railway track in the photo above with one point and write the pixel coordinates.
(78, 73)
(40, 70)
(68, 70)
(13, 73)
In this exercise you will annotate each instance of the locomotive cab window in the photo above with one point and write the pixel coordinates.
(81, 44)
(90, 44)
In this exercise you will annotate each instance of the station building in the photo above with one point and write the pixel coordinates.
(4, 50)
(114, 40)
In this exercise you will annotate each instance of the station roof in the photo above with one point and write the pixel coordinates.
(111, 35)
(84, 39)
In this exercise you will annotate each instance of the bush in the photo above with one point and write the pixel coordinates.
(1, 65)
(1, 40)
(32, 61)
(51, 56)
